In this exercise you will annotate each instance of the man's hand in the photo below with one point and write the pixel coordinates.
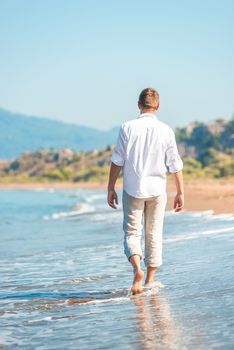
(112, 195)
(178, 202)
(111, 198)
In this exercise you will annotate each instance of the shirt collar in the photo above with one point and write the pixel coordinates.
(147, 115)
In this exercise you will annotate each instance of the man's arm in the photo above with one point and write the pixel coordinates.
(117, 162)
(175, 165)
(179, 198)
(113, 176)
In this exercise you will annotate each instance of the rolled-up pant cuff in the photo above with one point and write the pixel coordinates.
(155, 263)
(129, 255)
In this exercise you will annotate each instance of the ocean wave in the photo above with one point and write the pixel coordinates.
(78, 209)
(92, 197)
(107, 216)
(190, 213)
(207, 214)
(98, 214)
(42, 189)
(82, 279)
(224, 216)
(86, 197)
(51, 318)
(196, 235)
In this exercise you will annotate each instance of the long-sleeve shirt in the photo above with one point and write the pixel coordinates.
(146, 149)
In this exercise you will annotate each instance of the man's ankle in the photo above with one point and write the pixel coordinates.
(136, 268)
(149, 279)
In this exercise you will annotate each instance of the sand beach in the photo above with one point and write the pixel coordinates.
(200, 194)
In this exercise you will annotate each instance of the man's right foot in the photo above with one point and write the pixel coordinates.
(148, 283)
(153, 284)
(137, 281)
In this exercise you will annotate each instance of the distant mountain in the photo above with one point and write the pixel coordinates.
(20, 133)
(63, 152)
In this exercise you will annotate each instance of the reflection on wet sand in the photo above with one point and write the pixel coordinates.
(157, 328)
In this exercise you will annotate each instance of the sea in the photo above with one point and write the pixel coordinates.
(65, 281)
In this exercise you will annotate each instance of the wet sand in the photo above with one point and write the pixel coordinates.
(203, 194)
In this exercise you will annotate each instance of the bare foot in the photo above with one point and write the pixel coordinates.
(137, 281)
(153, 283)
(148, 283)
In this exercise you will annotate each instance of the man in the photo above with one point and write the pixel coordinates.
(145, 149)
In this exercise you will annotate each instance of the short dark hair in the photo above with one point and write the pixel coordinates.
(149, 98)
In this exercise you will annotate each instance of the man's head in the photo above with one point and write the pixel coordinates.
(148, 100)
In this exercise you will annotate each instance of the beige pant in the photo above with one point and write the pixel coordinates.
(150, 210)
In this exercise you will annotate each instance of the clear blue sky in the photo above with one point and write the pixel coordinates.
(85, 61)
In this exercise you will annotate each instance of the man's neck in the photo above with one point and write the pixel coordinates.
(144, 110)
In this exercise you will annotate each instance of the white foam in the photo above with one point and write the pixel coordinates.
(87, 279)
(226, 216)
(196, 235)
(222, 230)
(201, 213)
(93, 197)
(108, 217)
(146, 292)
(84, 207)
(80, 209)
(42, 189)
(151, 291)
(100, 301)
(205, 213)
(70, 262)
(47, 318)
(156, 284)
(190, 213)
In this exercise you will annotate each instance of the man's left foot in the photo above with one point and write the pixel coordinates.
(137, 281)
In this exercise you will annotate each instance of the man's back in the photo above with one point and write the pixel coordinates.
(145, 148)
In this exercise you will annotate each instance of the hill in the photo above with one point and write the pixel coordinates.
(20, 133)
(57, 165)
(207, 150)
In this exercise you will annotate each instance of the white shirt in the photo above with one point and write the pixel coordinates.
(146, 148)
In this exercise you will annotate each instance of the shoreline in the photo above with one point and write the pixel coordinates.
(200, 194)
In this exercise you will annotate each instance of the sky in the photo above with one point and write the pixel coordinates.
(86, 61)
